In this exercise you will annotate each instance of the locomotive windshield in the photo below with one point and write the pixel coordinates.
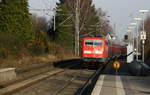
(92, 42)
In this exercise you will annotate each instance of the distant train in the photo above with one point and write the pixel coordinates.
(100, 50)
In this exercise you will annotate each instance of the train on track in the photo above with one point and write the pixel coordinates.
(100, 50)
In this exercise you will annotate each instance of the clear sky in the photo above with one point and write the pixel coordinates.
(118, 10)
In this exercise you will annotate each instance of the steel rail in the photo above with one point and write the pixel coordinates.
(86, 89)
(35, 78)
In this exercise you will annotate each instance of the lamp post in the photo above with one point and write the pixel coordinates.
(130, 33)
(143, 33)
(130, 47)
(133, 26)
(137, 19)
(143, 12)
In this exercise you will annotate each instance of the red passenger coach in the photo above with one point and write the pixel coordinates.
(98, 49)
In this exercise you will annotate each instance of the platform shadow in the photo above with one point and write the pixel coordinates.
(75, 64)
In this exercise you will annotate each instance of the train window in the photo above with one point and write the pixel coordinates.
(89, 42)
(98, 42)
(92, 42)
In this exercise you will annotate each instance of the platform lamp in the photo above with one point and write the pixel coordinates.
(130, 44)
(137, 19)
(129, 30)
(132, 26)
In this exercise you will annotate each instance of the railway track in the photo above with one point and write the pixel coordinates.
(87, 88)
(66, 83)
(76, 77)
(29, 81)
(70, 81)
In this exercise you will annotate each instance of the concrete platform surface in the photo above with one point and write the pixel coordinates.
(122, 85)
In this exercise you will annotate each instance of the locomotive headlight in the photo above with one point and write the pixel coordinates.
(135, 49)
(87, 52)
(99, 52)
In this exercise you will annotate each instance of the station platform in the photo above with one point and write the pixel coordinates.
(122, 85)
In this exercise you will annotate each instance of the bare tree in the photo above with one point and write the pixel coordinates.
(85, 19)
(80, 9)
(39, 25)
(105, 27)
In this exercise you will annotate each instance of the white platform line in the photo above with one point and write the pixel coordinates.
(119, 86)
(98, 86)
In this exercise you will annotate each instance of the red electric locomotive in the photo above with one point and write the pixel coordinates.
(98, 49)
